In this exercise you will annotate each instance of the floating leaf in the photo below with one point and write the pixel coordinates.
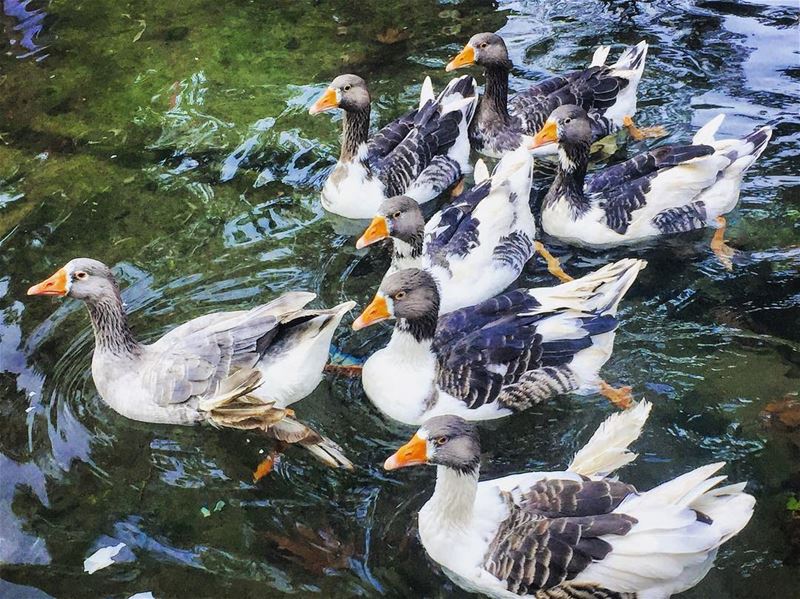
(138, 36)
(392, 35)
(787, 410)
(219, 505)
(102, 558)
(793, 505)
(205, 511)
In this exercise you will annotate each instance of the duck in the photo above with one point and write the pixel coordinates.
(421, 154)
(239, 369)
(498, 357)
(663, 191)
(574, 534)
(501, 124)
(476, 246)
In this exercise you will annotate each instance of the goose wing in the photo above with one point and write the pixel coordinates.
(452, 227)
(493, 345)
(433, 133)
(535, 550)
(388, 138)
(197, 358)
(628, 187)
(593, 89)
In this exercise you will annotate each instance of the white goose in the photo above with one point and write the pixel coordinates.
(420, 154)
(475, 247)
(576, 534)
(498, 357)
(670, 189)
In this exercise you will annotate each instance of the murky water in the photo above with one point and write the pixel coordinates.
(171, 140)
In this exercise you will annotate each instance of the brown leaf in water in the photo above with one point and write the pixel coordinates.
(316, 551)
(786, 410)
(392, 35)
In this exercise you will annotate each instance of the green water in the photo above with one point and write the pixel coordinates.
(172, 141)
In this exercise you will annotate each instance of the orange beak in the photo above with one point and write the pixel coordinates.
(327, 101)
(377, 311)
(547, 135)
(463, 59)
(378, 229)
(55, 285)
(413, 453)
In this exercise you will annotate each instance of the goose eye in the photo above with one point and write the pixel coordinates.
(81, 275)
(484, 44)
(567, 121)
(440, 441)
(399, 295)
(347, 87)
(396, 214)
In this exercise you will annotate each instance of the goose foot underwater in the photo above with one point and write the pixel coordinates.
(723, 251)
(621, 397)
(553, 264)
(640, 133)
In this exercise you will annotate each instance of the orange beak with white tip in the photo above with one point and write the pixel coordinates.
(464, 58)
(377, 311)
(547, 134)
(57, 284)
(378, 229)
(413, 453)
(327, 101)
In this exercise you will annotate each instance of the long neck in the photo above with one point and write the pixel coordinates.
(354, 132)
(111, 331)
(495, 94)
(408, 250)
(453, 499)
(573, 159)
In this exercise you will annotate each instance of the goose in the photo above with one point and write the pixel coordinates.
(421, 154)
(476, 246)
(502, 124)
(209, 369)
(670, 189)
(498, 357)
(576, 534)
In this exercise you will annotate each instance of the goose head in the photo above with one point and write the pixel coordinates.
(348, 92)
(399, 217)
(82, 278)
(447, 440)
(485, 49)
(410, 294)
(567, 124)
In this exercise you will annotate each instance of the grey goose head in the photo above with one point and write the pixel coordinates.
(399, 217)
(348, 92)
(448, 441)
(411, 294)
(82, 278)
(485, 49)
(568, 124)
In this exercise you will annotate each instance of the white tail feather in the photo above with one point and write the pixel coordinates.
(481, 171)
(600, 56)
(707, 132)
(607, 450)
(426, 93)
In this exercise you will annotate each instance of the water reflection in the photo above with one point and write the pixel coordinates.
(27, 25)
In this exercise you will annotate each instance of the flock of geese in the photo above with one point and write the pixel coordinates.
(463, 347)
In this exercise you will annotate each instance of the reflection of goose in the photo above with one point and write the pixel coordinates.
(502, 124)
(576, 534)
(670, 189)
(499, 357)
(209, 369)
(420, 154)
(475, 247)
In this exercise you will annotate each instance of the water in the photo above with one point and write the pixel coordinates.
(172, 142)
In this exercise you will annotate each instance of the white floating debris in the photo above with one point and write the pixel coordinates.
(102, 558)
(146, 595)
